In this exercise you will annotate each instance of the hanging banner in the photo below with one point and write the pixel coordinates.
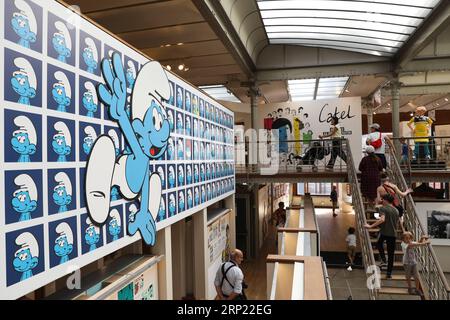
(102, 147)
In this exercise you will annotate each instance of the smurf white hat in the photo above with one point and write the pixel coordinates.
(90, 132)
(91, 45)
(89, 86)
(114, 214)
(90, 224)
(26, 183)
(181, 195)
(151, 81)
(27, 240)
(63, 180)
(63, 31)
(160, 171)
(25, 125)
(64, 81)
(113, 134)
(171, 170)
(26, 68)
(64, 230)
(61, 128)
(132, 68)
(27, 12)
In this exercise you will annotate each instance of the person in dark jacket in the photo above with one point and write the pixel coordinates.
(334, 200)
(371, 169)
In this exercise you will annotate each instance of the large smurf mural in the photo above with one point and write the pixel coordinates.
(102, 146)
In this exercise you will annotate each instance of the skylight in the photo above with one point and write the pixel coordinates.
(376, 27)
(220, 92)
(312, 89)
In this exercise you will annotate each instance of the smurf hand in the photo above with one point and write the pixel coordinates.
(114, 93)
(144, 222)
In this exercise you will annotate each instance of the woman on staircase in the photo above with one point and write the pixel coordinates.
(371, 168)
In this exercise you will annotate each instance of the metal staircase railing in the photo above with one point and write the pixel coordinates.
(360, 217)
(432, 277)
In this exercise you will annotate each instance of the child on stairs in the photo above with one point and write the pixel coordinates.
(409, 260)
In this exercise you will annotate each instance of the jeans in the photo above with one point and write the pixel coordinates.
(390, 241)
(337, 151)
(420, 145)
(382, 158)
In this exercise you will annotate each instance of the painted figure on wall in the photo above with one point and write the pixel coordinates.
(170, 150)
(90, 55)
(91, 235)
(196, 196)
(115, 224)
(180, 148)
(282, 125)
(89, 139)
(64, 242)
(62, 141)
(27, 257)
(62, 91)
(62, 193)
(24, 24)
(172, 205)
(146, 133)
(160, 171)
(171, 177)
(90, 100)
(25, 198)
(24, 81)
(190, 200)
(179, 98)
(180, 175)
(162, 210)
(181, 203)
(62, 41)
(131, 74)
(170, 118)
(24, 139)
(188, 174)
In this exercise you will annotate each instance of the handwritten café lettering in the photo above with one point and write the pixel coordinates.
(326, 117)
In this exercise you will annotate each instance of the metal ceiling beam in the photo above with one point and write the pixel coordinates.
(421, 90)
(429, 64)
(218, 20)
(433, 25)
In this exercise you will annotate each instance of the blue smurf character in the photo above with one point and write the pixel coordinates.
(202, 172)
(189, 199)
(24, 140)
(115, 194)
(27, 257)
(170, 118)
(180, 128)
(162, 210)
(196, 174)
(181, 201)
(62, 141)
(172, 205)
(131, 74)
(203, 197)
(188, 126)
(171, 177)
(89, 139)
(115, 224)
(25, 199)
(196, 154)
(24, 81)
(90, 99)
(161, 175)
(180, 148)
(208, 192)
(146, 132)
(91, 235)
(170, 150)
(62, 41)
(24, 24)
(179, 98)
(180, 175)
(172, 98)
(187, 102)
(208, 171)
(64, 242)
(196, 197)
(62, 91)
(90, 55)
(195, 105)
(188, 174)
(62, 193)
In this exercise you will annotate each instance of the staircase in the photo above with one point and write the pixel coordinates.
(432, 279)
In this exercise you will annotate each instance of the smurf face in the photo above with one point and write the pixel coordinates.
(196, 196)
(179, 98)
(179, 122)
(24, 261)
(114, 228)
(59, 44)
(88, 57)
(130, 77)
(180, 175)
(189, 198)
(59, 145)
(22, 202)
(60, 196)
(189, 174)
(62, 247)
(170, 118)
(59, 95)
(154, 131)
(188, 101)
(88, 102)
(181, 201)
(21, 26)
(170, 150)
(21, 85)
(188, 126)
(161, 175)
(91, 236)
(171, 177)
(87, 145)
(21, 144)
(172, 206)
(196, 173)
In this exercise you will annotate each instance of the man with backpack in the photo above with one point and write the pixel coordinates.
(375, 139)
(229, 280)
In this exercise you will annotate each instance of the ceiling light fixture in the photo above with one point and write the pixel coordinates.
(446, 99)
(181, 67)
(169, 67)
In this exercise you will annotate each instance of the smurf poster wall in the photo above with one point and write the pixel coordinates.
(100, 146)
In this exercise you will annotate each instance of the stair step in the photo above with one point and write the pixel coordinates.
(378, 230)
(395, 277)
(397, 252)
(374, 240)
(394, 290)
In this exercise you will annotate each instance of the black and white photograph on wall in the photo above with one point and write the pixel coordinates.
(438, 224)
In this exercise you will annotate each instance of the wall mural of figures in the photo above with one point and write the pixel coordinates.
(92, 166)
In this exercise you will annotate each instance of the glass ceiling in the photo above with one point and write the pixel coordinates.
(312, 89)
(220, 92)
(376, 27)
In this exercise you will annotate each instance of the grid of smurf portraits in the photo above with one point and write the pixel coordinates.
(51, 116)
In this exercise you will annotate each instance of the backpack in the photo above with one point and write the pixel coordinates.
(377, 143)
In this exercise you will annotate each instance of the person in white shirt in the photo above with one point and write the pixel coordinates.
(376, 140)
(351, 247)
(336, 135)
(229, 281)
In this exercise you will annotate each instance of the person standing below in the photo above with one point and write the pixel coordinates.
(229, 281)
(421, 130)
(371, 168)
(279, 216)
(336, 135)
(409, 260)
(406, 151)
(388, 223)
(351, 247)
(334, 200)
(375, 139)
